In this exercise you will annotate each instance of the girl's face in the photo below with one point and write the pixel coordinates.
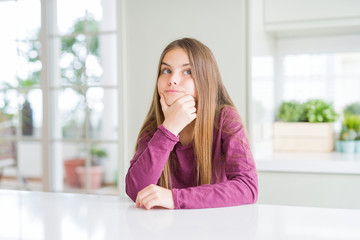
(175, 79)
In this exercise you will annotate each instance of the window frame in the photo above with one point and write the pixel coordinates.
(51, 172)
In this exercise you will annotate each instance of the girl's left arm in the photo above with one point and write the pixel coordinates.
(240, 186)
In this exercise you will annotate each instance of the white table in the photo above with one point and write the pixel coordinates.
(37, 215)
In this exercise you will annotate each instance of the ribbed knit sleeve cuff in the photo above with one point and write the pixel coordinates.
(168, 134)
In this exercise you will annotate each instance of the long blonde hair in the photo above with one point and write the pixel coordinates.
(211, 97)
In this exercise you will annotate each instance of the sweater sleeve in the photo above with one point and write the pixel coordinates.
(241, 183)
(149, 160)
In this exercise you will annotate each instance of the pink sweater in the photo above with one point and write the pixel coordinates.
(234, 182)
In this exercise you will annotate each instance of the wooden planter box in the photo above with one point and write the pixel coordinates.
(303, 137)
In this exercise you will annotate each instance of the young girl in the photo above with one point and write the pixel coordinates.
(192, 150)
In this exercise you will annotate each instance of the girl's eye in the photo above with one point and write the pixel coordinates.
(166, 71)
(187, 72)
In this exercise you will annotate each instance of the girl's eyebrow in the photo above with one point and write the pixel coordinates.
(184, 65)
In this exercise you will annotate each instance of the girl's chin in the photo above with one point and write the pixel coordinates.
(171, 99)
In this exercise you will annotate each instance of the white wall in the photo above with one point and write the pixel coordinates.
(151, 25)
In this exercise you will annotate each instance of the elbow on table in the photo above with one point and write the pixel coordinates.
(254, 194)
(130, 188)
(254, 190)
(250, 190)
(131, 194)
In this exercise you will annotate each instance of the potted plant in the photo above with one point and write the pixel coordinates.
(304, 126)
(349, 141)
(70, 166)
(97, 155)
(291, 111)
(352, 109)
(318, 111)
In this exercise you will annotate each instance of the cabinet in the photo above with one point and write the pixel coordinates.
(303, 17)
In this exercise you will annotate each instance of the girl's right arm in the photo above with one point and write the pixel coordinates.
(149, 160)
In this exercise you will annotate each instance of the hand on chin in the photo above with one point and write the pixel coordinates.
(171, 98)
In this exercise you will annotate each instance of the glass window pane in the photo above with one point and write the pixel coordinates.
(7, 15)
(27, 154)
(9, 107)
(31, 113)
(93, 68)
(347, 64)
(101, 12)
(8, 43)
(68, 13)
(28, 18)
(22, 63)
(28, 64)
(69, 115)
(103, 113)
(8, 157)
(72, 60)
(103, 171)
(101, 67)
(333, 77)
(71, 156)
(104, 11)
(7, 147)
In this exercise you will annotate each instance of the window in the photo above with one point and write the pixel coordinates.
(334, 77)
(84, 95)
(20, 91)
(301, 69)
(83, 91)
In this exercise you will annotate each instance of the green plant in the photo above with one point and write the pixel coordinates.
(352, 109)
(97, 155)
(356, 124)
(290, 111)
(350, 128)
(350, 121)
(317, 110)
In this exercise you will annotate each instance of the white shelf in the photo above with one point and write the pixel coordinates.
(326, 163)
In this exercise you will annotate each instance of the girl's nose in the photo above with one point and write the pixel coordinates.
(173, 81)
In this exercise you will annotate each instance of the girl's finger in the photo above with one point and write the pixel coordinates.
(193, 115)
(189, 104)
(149, 201)
(143, 194)
(184, 99)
